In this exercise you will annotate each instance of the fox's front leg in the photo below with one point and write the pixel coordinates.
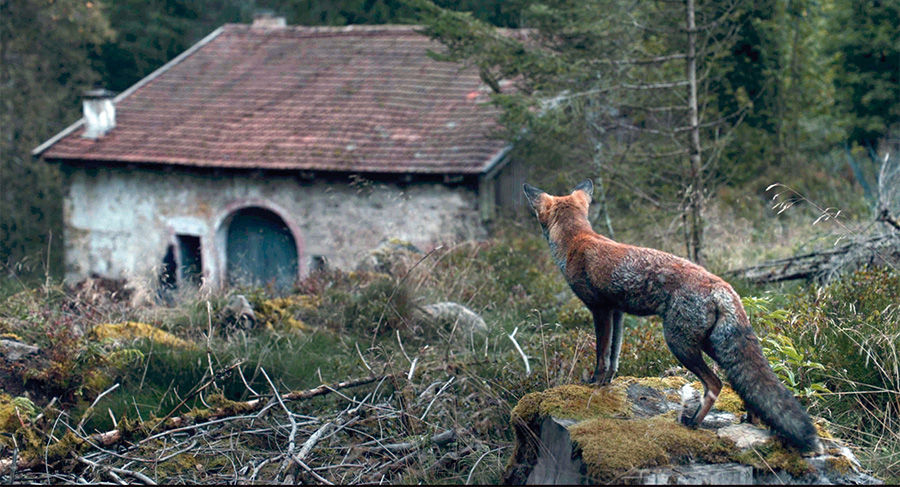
(603, 333)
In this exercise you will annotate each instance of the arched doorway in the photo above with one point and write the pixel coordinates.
(260, 250)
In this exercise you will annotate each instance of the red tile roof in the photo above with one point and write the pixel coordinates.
(357, 99)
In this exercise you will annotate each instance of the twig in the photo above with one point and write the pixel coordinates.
(15, 460)
(362, 358)
(412, 369)
(311, 471)
(472, 471)
(114, 470)
(194, 426)
(48, 406)
(512, 337)
(90, 409)
(436, 396)
(311, 441)
(114, 436)
(244, 380)
(293, 434)
(325, 389)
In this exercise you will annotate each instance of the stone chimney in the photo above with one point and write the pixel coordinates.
(99, 113)
(267, 20)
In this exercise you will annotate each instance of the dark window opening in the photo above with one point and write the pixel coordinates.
(191, 262)
(168, 278)
(318, 263)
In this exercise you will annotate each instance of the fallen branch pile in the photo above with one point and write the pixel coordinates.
(264, 440)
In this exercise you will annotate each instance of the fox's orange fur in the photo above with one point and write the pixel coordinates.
(700, 311)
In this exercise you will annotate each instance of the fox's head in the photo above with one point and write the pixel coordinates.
(555, 208)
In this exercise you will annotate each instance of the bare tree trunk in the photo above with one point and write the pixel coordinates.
(695, 188)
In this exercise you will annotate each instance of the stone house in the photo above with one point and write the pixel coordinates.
(266, 150)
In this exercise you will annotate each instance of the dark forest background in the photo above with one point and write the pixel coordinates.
(794, 91)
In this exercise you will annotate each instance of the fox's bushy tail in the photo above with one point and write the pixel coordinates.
(737, 350)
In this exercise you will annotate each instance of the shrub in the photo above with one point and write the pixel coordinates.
(853, 327)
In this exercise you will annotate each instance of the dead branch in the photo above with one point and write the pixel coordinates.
(879, 250)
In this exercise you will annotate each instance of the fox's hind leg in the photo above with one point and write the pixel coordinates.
(615, 347)
(688, 353)
(603, 332)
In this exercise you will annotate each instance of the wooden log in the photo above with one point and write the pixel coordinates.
(879, 250)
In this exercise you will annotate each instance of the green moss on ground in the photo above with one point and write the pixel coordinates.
(133, 330)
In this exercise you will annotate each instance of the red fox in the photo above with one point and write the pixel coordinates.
(700, 312)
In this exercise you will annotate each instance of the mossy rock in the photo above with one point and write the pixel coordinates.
(629, 432)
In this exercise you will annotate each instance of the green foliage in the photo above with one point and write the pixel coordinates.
(868, 67)
(780, 68)
(853, 324)
(43, 70)
(151, 33)
(852, 328)
(595, 95)
(759, 311)
(788, 363)
(575, 314)
(792, 364)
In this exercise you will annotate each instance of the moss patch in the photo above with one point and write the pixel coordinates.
(574, 402)
(822, 429)
(839, 464)
(669, 386)
(14, 411)
(728, 400)
(611, 446)
(528, 407)
(68, 444)
(133, 330)
(659, 383)
(281, 312)
(773, 455)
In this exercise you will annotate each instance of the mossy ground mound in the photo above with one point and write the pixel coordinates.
(132, 330)
(616, 440)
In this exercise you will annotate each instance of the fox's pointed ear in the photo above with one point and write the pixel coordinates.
(588, 187)
(532, 194)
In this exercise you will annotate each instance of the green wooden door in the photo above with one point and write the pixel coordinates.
(260, 250)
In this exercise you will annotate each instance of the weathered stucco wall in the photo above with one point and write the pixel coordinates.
(119, 221)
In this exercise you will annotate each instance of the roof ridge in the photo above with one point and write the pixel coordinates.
(327, 29)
